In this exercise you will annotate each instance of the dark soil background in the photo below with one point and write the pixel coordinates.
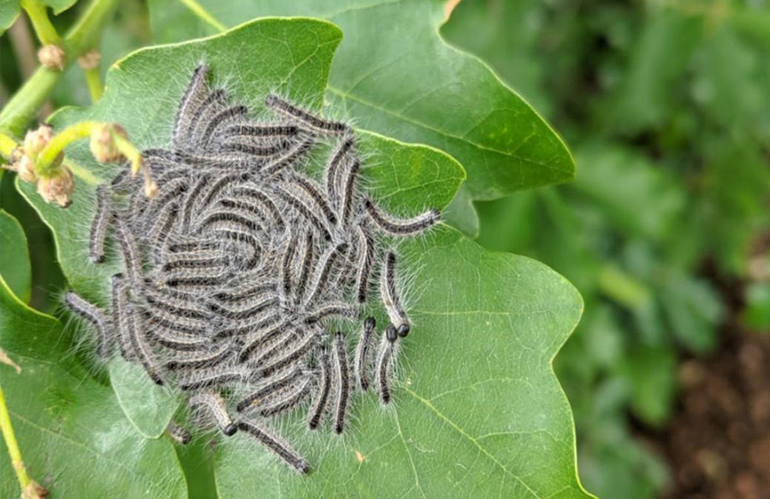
(718, 442)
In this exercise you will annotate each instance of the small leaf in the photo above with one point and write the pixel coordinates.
(73, 436)
(651, 373)
(461, 213)
(9, 12)
(14, 258)
(756, 315)
(658, 63)
(639, 198)
(148, 406)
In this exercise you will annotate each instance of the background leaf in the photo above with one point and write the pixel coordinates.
(409, 84)
(14, 259)
(58, 6)
(477, 396)
(9, 11)
(74, 438)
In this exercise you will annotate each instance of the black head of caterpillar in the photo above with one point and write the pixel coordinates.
(235, 271)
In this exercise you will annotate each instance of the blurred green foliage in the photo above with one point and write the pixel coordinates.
(666, 106)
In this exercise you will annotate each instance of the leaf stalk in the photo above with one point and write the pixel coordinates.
(38, 14)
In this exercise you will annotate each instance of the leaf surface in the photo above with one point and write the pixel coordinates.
(73, 435)
(477, 412)
(58, 6)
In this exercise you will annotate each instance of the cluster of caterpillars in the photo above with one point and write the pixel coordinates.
(237, 268)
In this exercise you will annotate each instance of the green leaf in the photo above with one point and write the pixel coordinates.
(476, 397)
(461, 213)
(637, 197)
(59, 6)
(508, 42)
(694, 310)
(9, 11)
(198, 465)
(756, 315)
(478, 411)
(405, 81)
(657, 65)
(14, 257)
(651, 373)
(73, 436)
(729, 83)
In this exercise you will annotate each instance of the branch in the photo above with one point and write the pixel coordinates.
(90, 64)
(38, 14)
(22, 108)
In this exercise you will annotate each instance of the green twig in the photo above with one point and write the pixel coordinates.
(47, 157)
(202, 13)
(94, 81)
(128, 150)
(90, 64)
(38, 14)
(21, 109)
(13, 446)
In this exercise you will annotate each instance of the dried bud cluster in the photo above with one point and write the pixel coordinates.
(90, 60)
(52, 57)
(238, 268)
(57, 185)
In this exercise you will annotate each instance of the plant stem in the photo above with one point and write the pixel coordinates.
(194, 6)
(58, 142)
(47, 157)
(128, 150)
(94, 81)
(24, 104)
(38, 14)
(7, 145)
(12, 444)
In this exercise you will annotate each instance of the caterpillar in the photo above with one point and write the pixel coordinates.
(236, 271)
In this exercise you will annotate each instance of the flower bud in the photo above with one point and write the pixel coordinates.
(90, 60)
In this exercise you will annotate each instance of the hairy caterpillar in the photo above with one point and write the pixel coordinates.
(238, 268)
